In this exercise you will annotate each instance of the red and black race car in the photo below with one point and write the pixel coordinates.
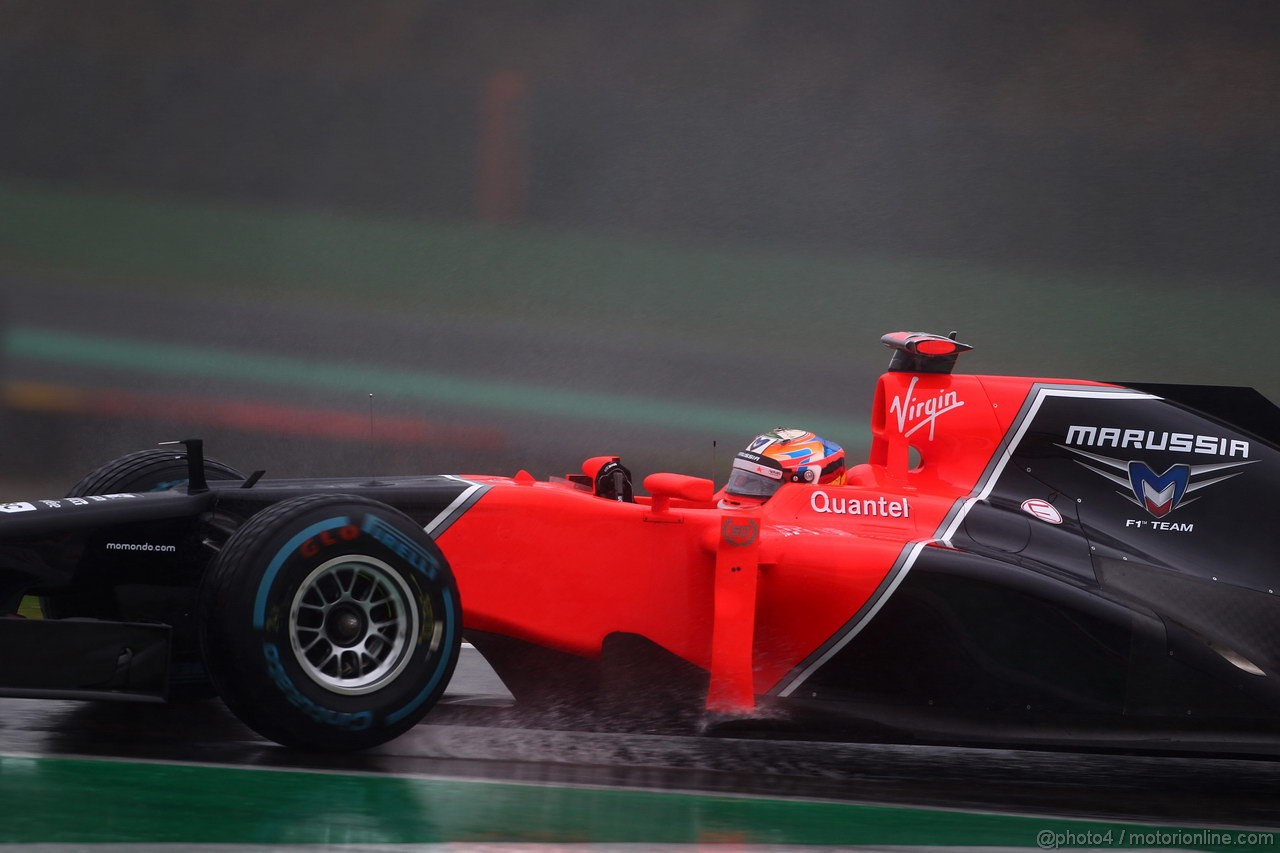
(1027, 558)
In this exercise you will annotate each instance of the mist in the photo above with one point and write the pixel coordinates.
(537, 234)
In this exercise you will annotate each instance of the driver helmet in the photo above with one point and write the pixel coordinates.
(782, 456)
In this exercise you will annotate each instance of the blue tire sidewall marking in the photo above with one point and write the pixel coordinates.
(401, 545)
(357, 721)
(450, 608)
(449, 630)
(273, 569)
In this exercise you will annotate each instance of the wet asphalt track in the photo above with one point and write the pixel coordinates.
(473, 736)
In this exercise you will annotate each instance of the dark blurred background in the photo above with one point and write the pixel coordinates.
(537, 232)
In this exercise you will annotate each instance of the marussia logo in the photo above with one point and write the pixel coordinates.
(1159, 494)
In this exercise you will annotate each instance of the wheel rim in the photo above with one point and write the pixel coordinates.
(353, 625)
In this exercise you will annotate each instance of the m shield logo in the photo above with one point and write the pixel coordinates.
(1160, 494)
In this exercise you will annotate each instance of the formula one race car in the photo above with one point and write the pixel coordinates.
(1045, 559)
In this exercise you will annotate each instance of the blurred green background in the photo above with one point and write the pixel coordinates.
(538, 232)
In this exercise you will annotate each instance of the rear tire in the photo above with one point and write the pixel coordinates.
(330, 622)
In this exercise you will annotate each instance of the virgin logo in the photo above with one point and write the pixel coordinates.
(914, 413)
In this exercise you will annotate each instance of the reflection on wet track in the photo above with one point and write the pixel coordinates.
(473, 771)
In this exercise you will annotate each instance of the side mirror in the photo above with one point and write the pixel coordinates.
(609, 478)
(664, 487)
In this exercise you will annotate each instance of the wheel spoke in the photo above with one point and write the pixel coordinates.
(353, 624)
(324, 664)
(352, 663)
(365, 589)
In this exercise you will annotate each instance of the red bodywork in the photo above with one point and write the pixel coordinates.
(745, 595)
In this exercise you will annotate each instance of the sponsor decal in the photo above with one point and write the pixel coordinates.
(328, 538)
(402, 545)
(914, 413)
(1139, 439)
(777, 436)
(142, 546)
(1159, 493)
(880, 507)
(742, 463)
(1170, 526)
(355, 722)
(1043, 510)
(739, 532)
(61, 503)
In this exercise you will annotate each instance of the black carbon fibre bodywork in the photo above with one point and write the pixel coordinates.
(981, 638)
(134, 562)
(159, 538)
(1104, 611)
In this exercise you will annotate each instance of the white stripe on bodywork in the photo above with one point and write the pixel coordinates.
(988, 483)
(884, 593)
(950, 524)
(450, 513)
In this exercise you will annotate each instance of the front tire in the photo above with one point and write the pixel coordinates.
(152, 470)
(330, 622)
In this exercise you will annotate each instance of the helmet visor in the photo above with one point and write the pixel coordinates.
(753, 480)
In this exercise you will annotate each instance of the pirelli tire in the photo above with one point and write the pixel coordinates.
(330, 622)
(147, 471)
